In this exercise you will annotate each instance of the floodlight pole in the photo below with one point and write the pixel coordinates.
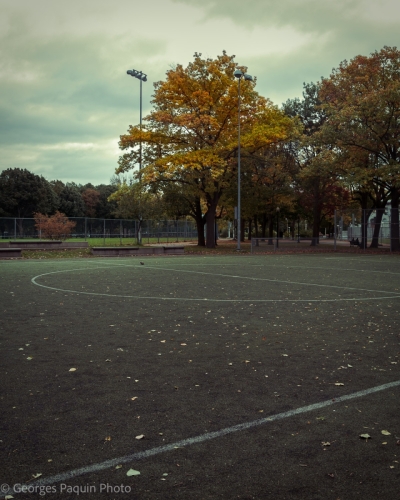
(142, 78)
(239, 74)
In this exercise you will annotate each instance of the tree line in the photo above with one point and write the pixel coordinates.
(338, 147)
(23, 193)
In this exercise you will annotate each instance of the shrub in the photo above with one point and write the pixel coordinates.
(54, 227)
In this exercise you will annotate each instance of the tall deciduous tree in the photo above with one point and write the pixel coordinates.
(191, 135)
(91, 199)
(317, 182)
(362, 102)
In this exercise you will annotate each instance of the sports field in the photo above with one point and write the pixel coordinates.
(214, 377)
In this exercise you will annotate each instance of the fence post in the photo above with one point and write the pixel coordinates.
(104, 232)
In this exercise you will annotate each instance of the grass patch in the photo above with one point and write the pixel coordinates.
(67, 253)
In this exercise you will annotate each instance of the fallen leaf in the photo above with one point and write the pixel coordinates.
(338, 383)
(133, 472)
(133, 399)
(108, 438)
(108, 360)
(8, 497)
(72, 370)
(325, 443)
(285, 354)
(365, 436)
(35, 476)
(29, 358)
(118, 466)
(385, 442)
(385, 433)
(140, 436)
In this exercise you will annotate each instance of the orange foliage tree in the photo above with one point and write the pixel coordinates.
(54, 227)
(361, 99)
(191, 136)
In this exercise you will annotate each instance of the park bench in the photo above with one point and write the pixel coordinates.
(10, 253)
(354, 242)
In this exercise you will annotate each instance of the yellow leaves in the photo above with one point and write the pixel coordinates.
(191, 135)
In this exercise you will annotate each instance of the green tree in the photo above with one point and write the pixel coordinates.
(70, 201)
(23, 193)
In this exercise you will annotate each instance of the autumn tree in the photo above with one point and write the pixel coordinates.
(317, 182)
(91, 199)
(190, 136)
(53, 227)
(361, 99)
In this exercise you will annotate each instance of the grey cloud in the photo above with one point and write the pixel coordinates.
(316, 16)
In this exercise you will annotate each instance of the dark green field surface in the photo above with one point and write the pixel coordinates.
(190, 347)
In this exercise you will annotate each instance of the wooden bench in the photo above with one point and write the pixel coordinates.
(10, 253)
(126, 251)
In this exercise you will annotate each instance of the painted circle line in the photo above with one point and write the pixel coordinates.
(393, 295)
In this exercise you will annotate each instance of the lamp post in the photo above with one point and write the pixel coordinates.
(239, 74)
(143, 78)
(277, 226)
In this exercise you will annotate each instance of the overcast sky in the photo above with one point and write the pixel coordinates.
(65, 97)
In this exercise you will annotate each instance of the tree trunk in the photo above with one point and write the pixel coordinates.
(212, 203)
(242, 227)
(256, 225)
(270, 230)
(377, 228)
(394, 220)
(200, 221)
(264, 226)
(250, 228)
(316, 219)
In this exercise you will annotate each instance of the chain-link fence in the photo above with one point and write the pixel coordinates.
(108, 230)
(368, 228)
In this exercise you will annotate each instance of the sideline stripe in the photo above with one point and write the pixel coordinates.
(201, 438)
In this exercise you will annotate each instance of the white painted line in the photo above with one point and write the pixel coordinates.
(155, 268)
(64, 476)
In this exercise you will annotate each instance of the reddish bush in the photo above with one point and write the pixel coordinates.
(54, 227)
